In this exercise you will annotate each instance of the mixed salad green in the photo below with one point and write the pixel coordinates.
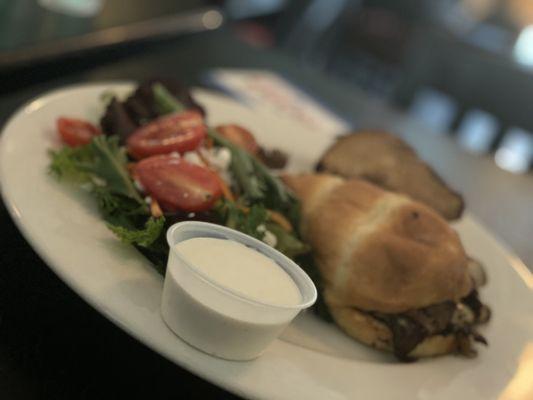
(126, 172)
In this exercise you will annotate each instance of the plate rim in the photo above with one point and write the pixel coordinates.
(511, 258)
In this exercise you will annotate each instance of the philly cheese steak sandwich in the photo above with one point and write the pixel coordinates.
(395, 275)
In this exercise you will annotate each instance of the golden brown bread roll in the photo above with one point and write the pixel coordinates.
(379, 250)
(381, 254)
(389, 162)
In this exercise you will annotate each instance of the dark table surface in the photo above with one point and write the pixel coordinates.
(53, 345)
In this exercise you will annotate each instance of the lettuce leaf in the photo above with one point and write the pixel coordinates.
(65, 163)
(254, 221)
(165, 102)
(101, 167)
(144, 237)
(149, 240)
(102, 164)
(234, 216)
(287, 242)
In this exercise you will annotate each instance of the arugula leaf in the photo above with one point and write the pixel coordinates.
(142, 237)
(109, 164)
(234, 216)
(102, 163)
(253, 177)
(272, 183)
(287, 242)
(254, 221)
(244, 172)
(66, 162)
(165, 102)
(257, 183)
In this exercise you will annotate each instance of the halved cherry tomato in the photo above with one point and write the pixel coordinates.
(239, 136)
(76, 132)
(178, 185)
(179, 132)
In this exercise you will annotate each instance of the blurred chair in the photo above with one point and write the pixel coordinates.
(475, 79)
(434, 108)
(477, 131)
(357, 41)
(453, 69)
(515, 153)
(310, 29)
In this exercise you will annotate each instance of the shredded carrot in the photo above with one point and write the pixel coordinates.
(274, 216)
(155, 210)
(204, 160)
(280, 220)
(226, 191)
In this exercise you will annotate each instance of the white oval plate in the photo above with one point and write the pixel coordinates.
(313, 360)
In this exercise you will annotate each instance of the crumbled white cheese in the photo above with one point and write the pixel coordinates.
(138, 185)
(261, 228)
(270, 239)
(193, 158)
(148, 200)
(219, 158)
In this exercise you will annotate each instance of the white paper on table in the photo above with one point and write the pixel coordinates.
(268, 90)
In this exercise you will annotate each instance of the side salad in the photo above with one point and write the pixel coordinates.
(154, 161)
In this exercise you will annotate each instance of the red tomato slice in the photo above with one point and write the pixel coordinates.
(178, 185)
(76, 132)
(240, 136)
(179, 132)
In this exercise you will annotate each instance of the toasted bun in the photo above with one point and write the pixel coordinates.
(389, 162)
(378, 250)
(374, 333)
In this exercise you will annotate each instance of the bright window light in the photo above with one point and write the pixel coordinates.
(515, 153)
(523, 48)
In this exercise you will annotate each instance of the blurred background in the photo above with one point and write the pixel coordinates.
(462, 66)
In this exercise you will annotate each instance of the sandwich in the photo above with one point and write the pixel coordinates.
(394, 274)
(387, 161)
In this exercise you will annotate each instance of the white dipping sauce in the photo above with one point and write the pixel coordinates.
(216, 321)
(239, 268)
